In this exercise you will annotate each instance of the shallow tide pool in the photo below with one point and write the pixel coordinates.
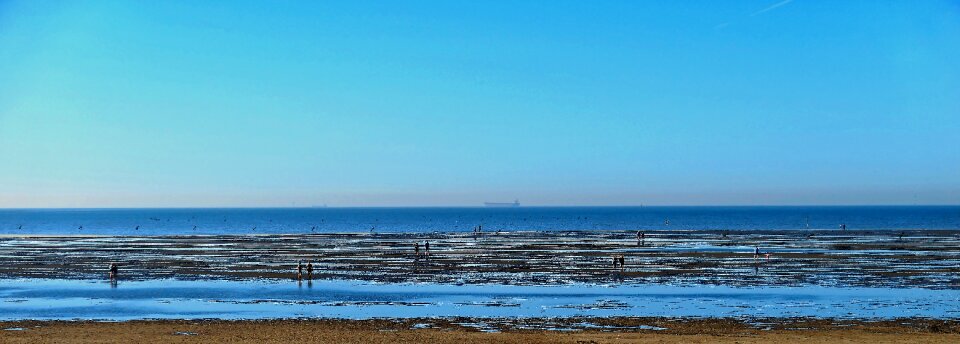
(176, 299)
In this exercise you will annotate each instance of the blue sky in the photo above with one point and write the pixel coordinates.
(355, 103)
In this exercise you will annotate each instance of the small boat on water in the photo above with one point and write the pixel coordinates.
(516, 203)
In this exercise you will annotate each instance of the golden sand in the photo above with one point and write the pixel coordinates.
(390, 331)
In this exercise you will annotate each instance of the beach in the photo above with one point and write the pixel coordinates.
(681, 286)
(897, 259)
(447, 331)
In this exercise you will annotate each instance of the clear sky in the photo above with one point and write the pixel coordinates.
(355, 103)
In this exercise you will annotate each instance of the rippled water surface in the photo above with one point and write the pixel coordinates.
(306, 220)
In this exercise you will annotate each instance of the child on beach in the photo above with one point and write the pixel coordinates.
(299, 270)
(416, 249)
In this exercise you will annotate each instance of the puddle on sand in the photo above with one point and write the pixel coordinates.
(479, 326)
(588, 325)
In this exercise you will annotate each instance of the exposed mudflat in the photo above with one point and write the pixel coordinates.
(922, 258)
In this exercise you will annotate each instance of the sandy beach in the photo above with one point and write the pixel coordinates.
(447, 331)
(665, 272)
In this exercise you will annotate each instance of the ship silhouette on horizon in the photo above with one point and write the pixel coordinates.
(515, 203)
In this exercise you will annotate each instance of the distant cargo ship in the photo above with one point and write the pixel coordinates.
(516, 203)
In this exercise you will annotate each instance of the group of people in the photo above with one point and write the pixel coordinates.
(426, 249)
(619, 260)
(300, 270)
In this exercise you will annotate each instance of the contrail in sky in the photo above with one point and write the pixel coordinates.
(771, 7)
(754, 14)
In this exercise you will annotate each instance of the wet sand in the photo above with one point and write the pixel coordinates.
(925, 259)
(615, 330)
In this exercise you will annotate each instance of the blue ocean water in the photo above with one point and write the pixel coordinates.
(306, 220)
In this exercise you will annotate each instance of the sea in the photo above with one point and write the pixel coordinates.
(238, 221)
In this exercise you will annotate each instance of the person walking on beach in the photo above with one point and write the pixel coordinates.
(426, 248)
(416, 249)
(309, 270)
(756, 252)
(299, 270)
(618, 260)
(113, 271)
(843, 226)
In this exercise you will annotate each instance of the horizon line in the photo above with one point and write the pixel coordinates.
(489, 207)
